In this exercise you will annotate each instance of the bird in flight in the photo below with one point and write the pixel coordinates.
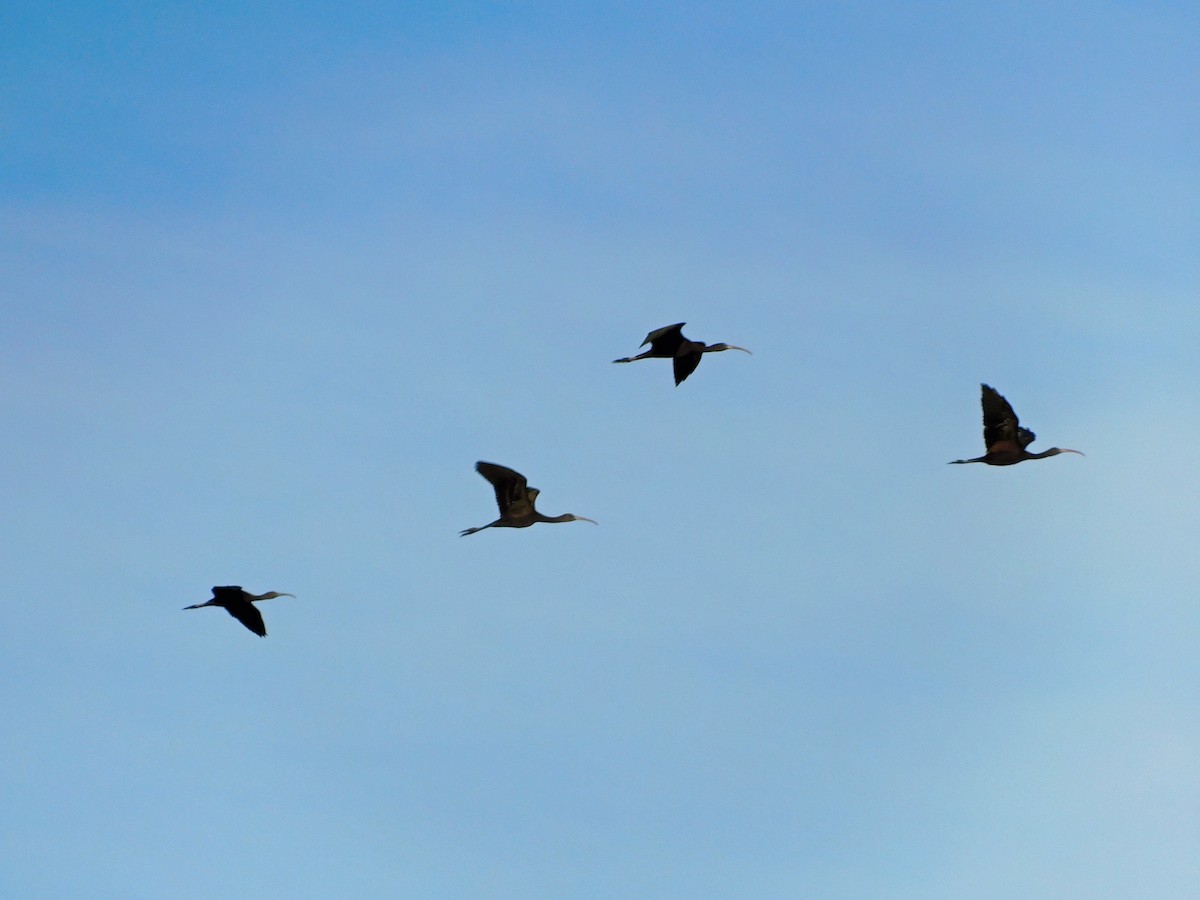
(239, 604)
(1003, 436)
(669, 343)
(515, 499)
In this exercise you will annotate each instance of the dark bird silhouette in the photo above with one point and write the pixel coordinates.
(515, 499)
(238, 603)
(669, 343)
(1003, 436)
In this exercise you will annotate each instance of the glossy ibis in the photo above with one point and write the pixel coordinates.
(239, 604)
(515, 498)
(1003, 436)
(669, 343)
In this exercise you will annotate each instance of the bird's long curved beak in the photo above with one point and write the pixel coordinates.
(735, 347)
(196, 606)
(1065, 450)
(586, 519)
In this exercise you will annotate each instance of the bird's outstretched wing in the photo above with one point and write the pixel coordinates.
(247, 613)
(665, 341)
(1000, 423)
(685, 365)
(512, 493)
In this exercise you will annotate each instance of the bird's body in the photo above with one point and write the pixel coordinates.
(1003, 435)
(515, 499)
(239, 604)
(669, 343)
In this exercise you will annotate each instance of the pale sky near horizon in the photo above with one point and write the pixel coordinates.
(272, 280)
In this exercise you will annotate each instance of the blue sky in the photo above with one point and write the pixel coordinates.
(274, 280)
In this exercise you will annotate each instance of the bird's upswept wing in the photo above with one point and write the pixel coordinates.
(247, 613)
(512, 493)
(685, 365)
(1000, 423)
(665, 341)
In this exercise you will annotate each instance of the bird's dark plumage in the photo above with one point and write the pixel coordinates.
(512, 490)
(239, 604)
(669, 343)
(1003, 435)
(666, 341)
(1000, 423)
(248, 615)
(685, 364)
(515, 499)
